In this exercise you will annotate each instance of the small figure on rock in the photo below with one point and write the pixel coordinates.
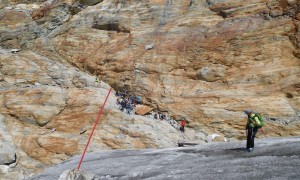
(123, 105)
(162, 116)
(138, 99)
(97, 82)
(131, 98)
(129, 107)
(117, 93)
(124, 93)
(182, 125)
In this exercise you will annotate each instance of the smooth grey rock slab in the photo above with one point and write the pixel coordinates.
(276, 158)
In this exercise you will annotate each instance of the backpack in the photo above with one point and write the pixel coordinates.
(261, 120)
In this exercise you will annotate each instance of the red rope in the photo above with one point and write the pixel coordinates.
(100, 112)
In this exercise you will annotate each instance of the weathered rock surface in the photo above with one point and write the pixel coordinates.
(205, 60)
(272, 159)
(44, 106)
(16, 29)
(209, 61)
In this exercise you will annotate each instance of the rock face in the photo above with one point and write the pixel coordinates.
(45, 105)
(272, 159)
(208, 61)
(205, 60)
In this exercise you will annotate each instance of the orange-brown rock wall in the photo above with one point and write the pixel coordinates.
(207, 61)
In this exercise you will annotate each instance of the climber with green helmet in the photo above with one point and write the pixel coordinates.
(253, 124)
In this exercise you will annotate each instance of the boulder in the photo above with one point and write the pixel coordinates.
(15, 50)
(76, 174)
(142, 109)
(7, 149)
(219, 139)
(215, 138)
(149, 47)
(7, 153)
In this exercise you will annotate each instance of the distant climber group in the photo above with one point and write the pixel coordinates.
(126, 102)
(159, 115)
(170, 119)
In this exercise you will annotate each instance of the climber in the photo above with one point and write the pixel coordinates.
(123, 105)
(119, 101)
(129, 107)
(138, 99)
(134, 102)
(131, 98)
(117, 93)
(97, 81)
(125, 91)
(155, 115)
(182, 125)
(253, 124)
(161, 116)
